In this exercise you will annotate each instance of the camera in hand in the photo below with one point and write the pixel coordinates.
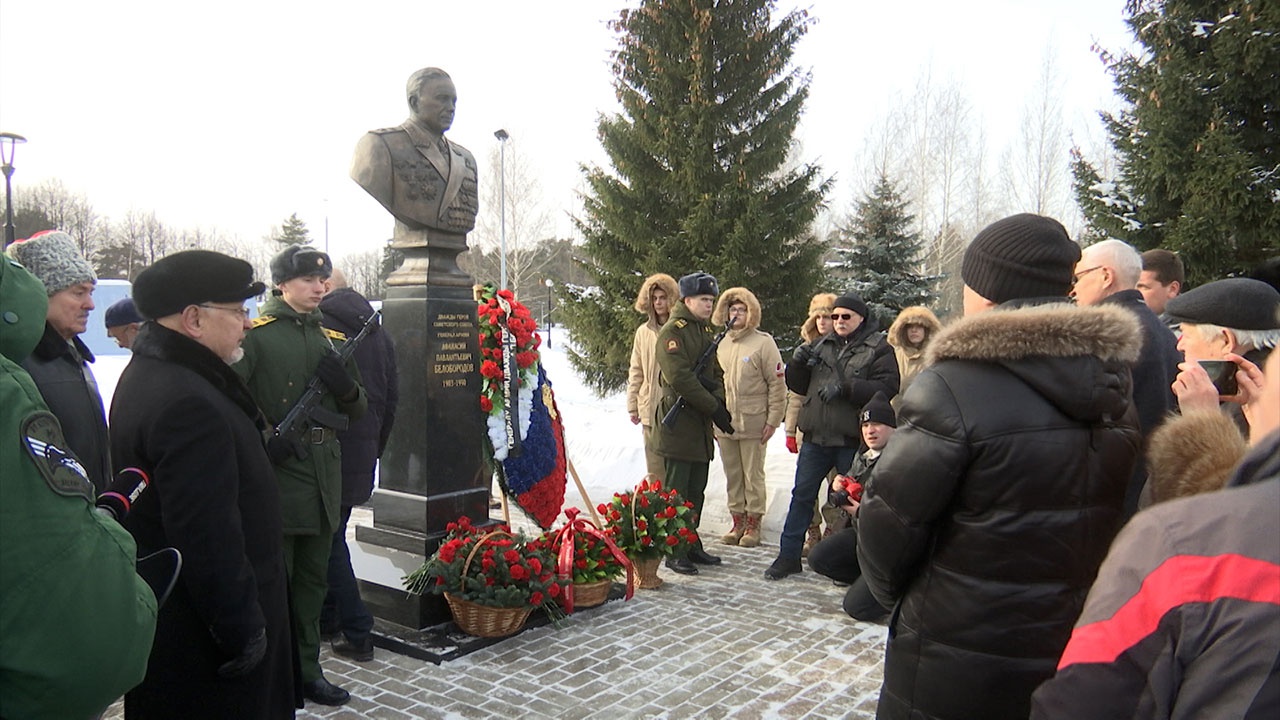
(1223, 375)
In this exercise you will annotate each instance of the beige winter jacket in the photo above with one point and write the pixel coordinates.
(642, 378)
(754, 388)
(911, 357)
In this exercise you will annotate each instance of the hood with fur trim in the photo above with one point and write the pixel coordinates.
(914, 315)
(664, 282)
(733, 295)
(820, 304)
(1078, 358)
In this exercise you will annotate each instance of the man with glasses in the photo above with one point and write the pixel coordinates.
(1108, 274)
(837, 374)
(223, 647)
(286, 347)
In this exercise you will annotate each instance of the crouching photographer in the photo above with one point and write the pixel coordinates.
(836, 556)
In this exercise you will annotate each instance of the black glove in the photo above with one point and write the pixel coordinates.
(830, 391)
(803, 354)
(248, 659)
(335, 377)
(723, 419)
(281, 448)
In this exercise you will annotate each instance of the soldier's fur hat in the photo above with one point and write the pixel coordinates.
(699, 283)
(299, 261)
(192, 277)
(54, 257)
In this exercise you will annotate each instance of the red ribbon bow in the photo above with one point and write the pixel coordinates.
(565, 537)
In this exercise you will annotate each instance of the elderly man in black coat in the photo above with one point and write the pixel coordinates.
(344, 616)
(223, 647)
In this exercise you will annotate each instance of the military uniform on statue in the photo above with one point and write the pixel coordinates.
(285, 349)
(687, 444)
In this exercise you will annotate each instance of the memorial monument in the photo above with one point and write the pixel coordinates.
(433, 469)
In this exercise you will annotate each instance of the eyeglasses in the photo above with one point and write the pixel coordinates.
(243, 312)
(841, 316)
(1076, 278)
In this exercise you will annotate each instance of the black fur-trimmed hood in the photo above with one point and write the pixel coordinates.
(1078, 358)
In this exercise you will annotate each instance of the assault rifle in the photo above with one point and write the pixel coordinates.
(669, 420)
(308, 406)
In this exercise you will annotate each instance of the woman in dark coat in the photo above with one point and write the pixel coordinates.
(184, 417)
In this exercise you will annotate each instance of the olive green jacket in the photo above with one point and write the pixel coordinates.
(281, 353)
(680, 343)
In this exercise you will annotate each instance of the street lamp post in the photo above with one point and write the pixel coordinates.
(549, 283)
(8, 143)
(502, 201)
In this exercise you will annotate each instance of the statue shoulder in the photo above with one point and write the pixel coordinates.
(386, 131)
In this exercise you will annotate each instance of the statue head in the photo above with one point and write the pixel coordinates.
(432, 99)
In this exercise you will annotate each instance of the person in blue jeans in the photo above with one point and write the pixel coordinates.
(837, 373)
(344, 617)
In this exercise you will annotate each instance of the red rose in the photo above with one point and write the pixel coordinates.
(673, 540)
(486, 404)
(535, 565)
(519, 572)
(535, 598)
(554, 590)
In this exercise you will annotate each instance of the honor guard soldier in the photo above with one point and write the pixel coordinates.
(689, 374)
(284, 350)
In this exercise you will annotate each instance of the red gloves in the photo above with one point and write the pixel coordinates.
(791, 444)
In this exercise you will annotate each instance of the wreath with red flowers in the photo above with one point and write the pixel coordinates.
(500, 314)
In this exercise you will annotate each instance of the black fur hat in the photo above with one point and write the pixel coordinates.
(192, 277)
(699, 283)
(298, 261)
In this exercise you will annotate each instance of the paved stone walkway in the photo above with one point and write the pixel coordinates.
(723, 644)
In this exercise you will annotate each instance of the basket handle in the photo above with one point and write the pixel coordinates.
(476, 548)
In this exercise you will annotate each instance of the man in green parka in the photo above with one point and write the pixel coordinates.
(76, 621)
(285, 349)
(687, 446)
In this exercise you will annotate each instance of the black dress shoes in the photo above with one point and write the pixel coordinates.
(700, 556)
(325, 693)
(682, 566)
(360, 652)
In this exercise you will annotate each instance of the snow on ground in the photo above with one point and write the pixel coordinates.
(608, 451)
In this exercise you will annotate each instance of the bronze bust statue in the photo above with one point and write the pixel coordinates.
(426, 182)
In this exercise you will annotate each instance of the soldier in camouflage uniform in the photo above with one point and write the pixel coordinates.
(285, 348)
(687, 447)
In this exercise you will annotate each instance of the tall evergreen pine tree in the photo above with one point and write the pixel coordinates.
(699, 178)
(1199, 165)
(880, 254)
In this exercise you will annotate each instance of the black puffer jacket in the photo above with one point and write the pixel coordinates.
(863, 364)
(346, 311)
(64, 381)
(990, 511)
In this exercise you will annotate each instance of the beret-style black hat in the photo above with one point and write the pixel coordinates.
(1237, 303)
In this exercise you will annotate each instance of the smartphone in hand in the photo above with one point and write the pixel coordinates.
(1223, 375)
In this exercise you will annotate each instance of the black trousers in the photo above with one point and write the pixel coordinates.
(836, 557)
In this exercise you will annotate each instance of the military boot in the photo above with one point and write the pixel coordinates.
(751, 533)
(813, 537)
(739, 526)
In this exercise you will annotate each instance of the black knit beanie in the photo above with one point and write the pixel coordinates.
(1021, 256)
(849, 301)
(879, 410)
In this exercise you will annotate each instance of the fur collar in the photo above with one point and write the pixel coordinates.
(159, 342)
(1109, 333)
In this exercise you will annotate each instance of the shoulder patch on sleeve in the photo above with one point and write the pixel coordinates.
(673, 345)
(61, 470)
(263, 320)
(334, 335)
(780, 370)
(681, 322)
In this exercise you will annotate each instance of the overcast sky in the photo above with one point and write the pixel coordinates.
(234, 114)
